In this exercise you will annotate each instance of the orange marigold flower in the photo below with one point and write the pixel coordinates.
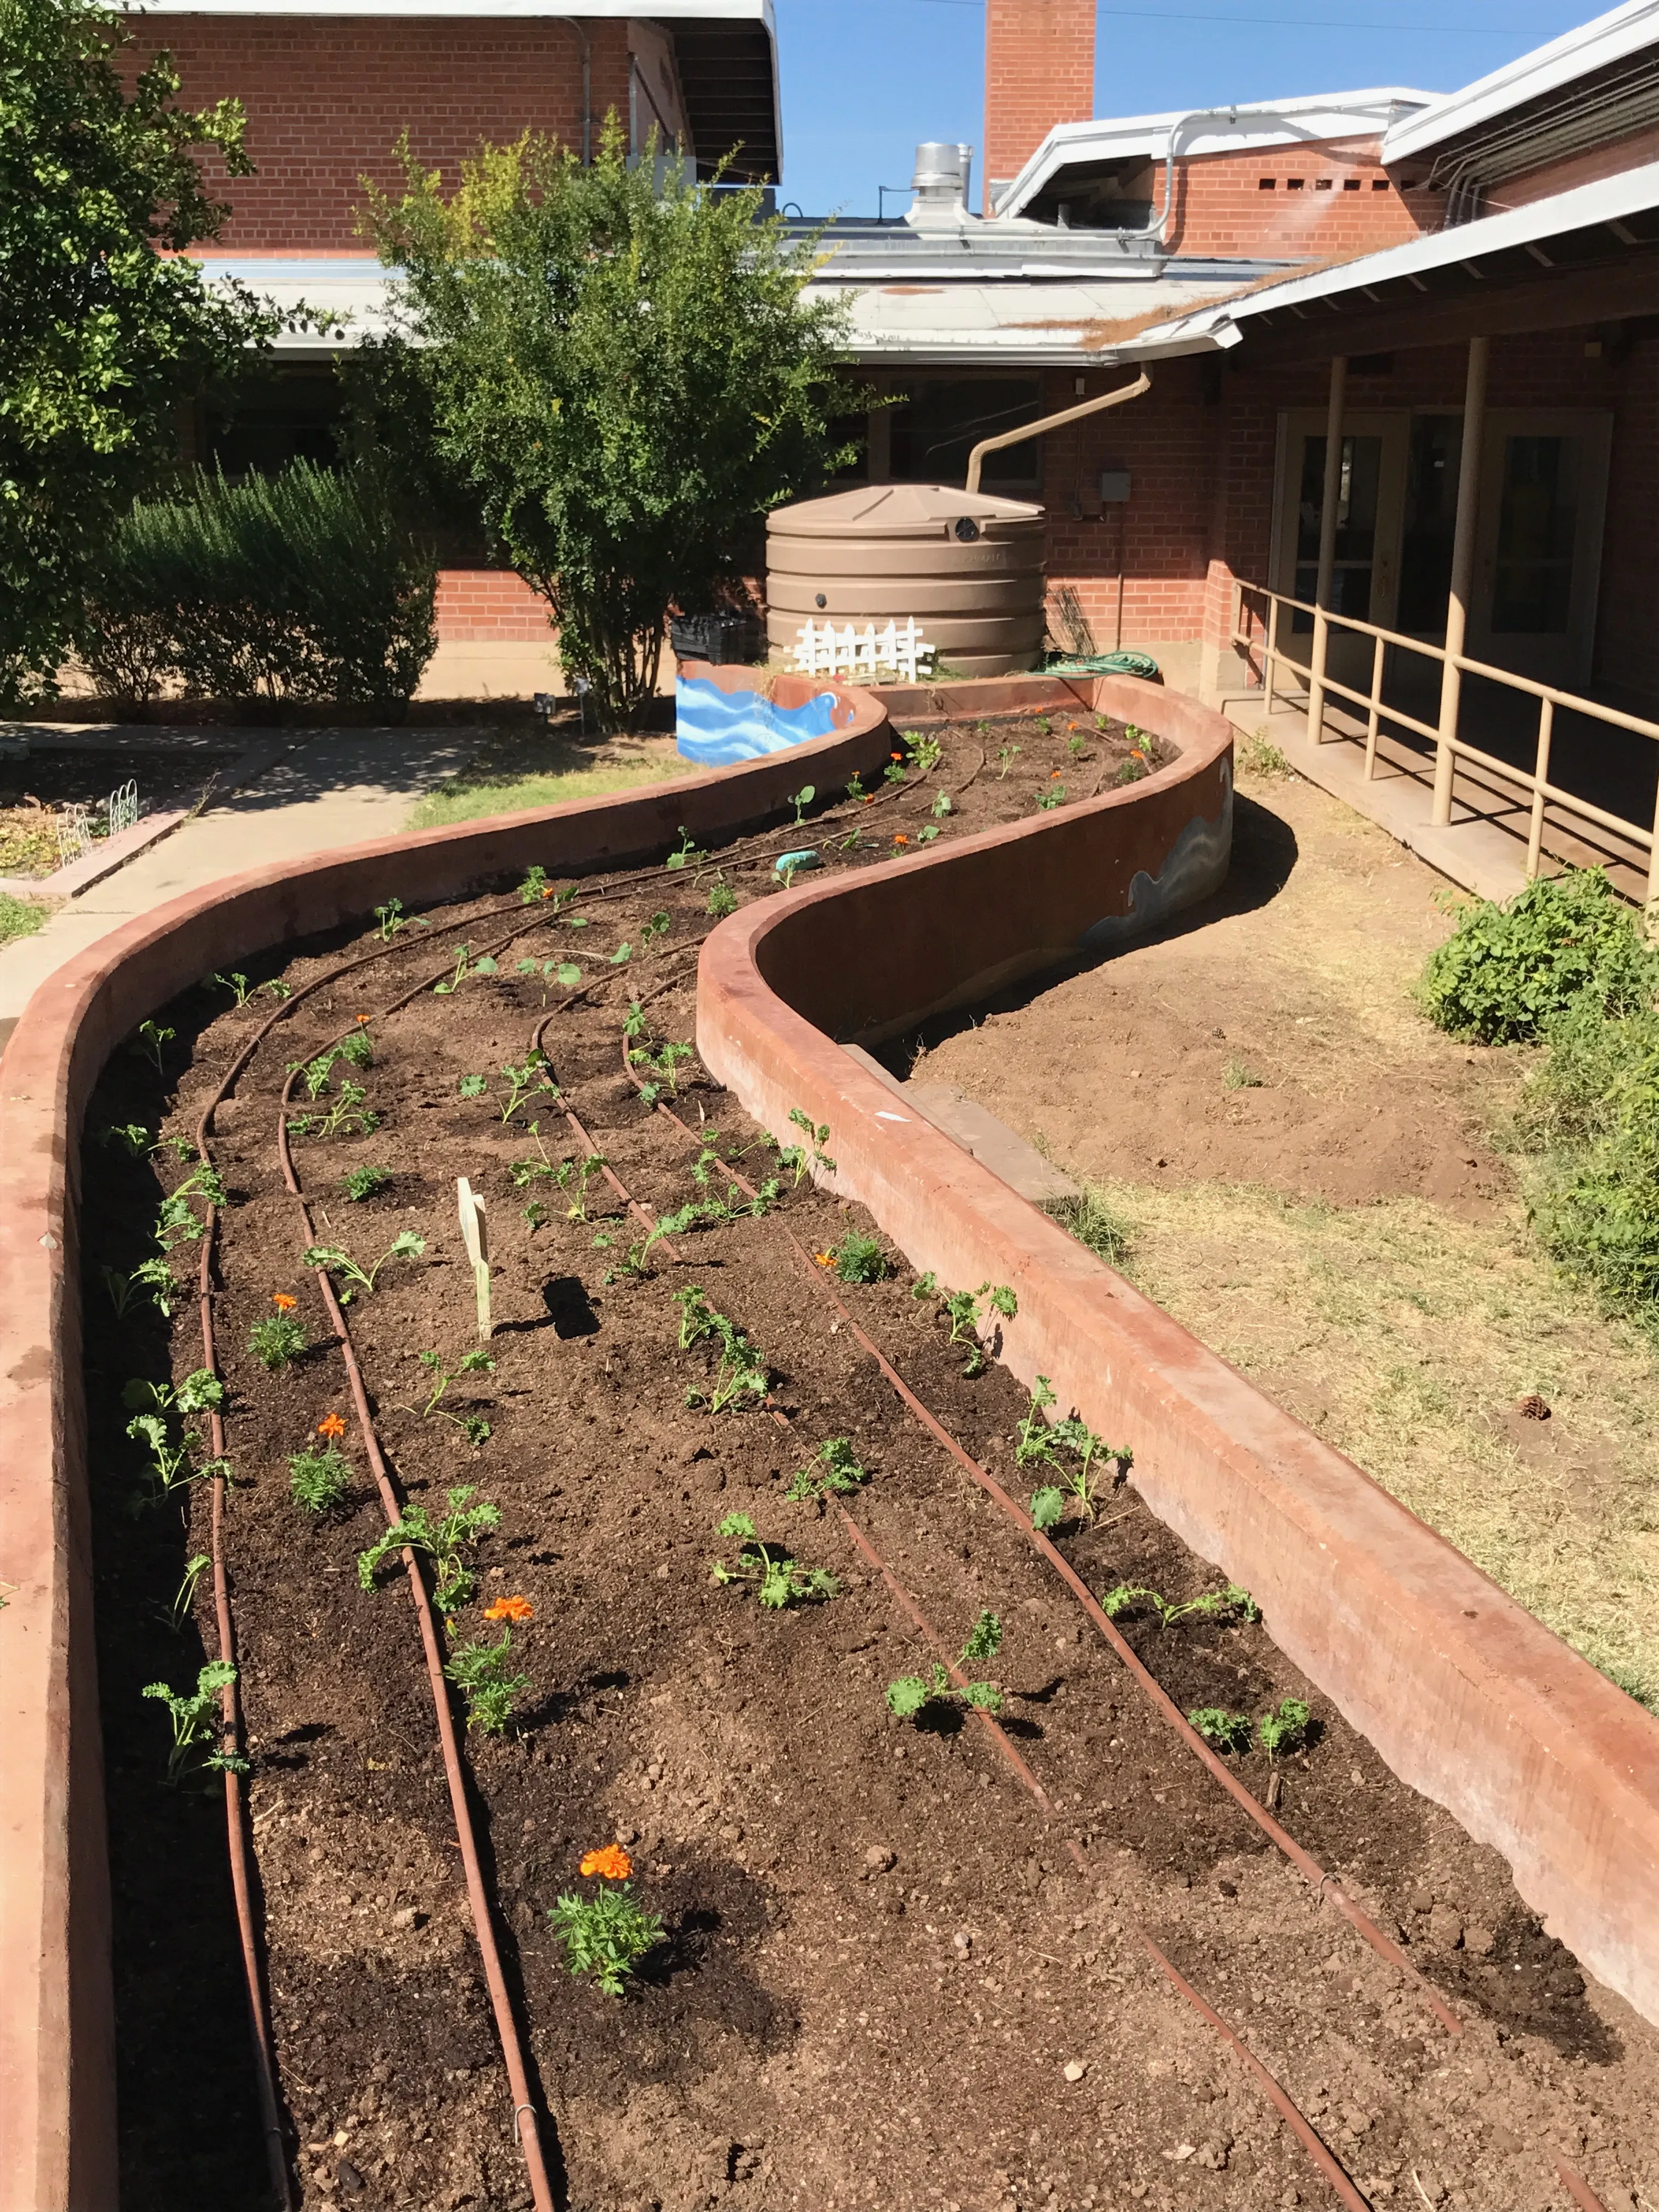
(899, 837)
(282, 1302)
(1053, 775)
(363, 1017)
(611, 1861)
(547, 890)
(510, 1609)
(824, 1259)
(898, 757)
(330, 1426)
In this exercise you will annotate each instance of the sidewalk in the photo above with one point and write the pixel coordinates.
(330, 788)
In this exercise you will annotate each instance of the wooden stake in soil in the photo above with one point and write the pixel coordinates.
(475, 1235)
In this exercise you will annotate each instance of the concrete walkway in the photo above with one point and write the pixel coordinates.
(329, 788)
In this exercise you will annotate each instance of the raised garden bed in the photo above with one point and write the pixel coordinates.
(895, 1969)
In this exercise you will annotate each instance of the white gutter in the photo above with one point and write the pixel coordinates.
(1577, 53)
(662, 11)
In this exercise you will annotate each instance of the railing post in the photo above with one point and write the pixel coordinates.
(1271, 661)
(1462, 572)
(1374, 715)
(1653, 865)
(1540, 777)
(1328, 506)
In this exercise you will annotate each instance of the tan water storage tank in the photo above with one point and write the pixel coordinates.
(968, 567)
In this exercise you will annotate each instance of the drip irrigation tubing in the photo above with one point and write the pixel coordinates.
(1577, 2188)
(526, 2119)
(1322, 1883)
(1270, 2088)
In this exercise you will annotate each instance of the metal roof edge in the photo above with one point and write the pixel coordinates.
(667, 11)
(1576, 53)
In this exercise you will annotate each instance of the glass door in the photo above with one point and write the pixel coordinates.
(1543, 495)
(1365, 576)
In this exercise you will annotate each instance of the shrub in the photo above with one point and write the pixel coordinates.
(1507, 972)
(304, 584)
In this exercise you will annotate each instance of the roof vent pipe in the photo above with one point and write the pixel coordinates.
(940, 187)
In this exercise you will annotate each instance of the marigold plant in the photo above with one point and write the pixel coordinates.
(510, 1609)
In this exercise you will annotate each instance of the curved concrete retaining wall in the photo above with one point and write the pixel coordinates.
(1465, 1695)
(57, 2032)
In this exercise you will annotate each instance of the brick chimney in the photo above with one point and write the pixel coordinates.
(1039, 71)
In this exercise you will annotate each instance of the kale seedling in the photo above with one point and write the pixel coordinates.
(907, 1697)
(1232, 1600)
(653, 931)
(1035, 1439)
(318, 1480)
(741, 1372)
(566, 973)
(925, 752)
(238, 986)
(1286, 1730)
(149, 1040)
(525, 1171)
(200, 1391)
(391, 918)
(860, 1259)
(133, 1134)
(152, 1275)
(443, 1541)
(478, 1670)
(473, 1087)
(580, 1173)
(832, 1468)
(184, 1602)
(531, 1080)
(365, 1183)
(966, 1309)
(603, 1935)
(1080, 1483)
(192, 1716)
(1226, 1731)
(1006, 756)
(1055, 795)
(178, 1222)
(406, 1245)
(470, 1363)
(941, 806)
(345, 1110)
(171, 1468)
(795, 1156)
(778, 1580)
(533, 889)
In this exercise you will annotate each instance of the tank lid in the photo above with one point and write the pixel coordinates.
(907, 510)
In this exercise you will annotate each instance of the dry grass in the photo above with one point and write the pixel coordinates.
(1406, 1338)
(510, 779)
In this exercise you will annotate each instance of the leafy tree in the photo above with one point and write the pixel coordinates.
(102, 335)
(623, 366)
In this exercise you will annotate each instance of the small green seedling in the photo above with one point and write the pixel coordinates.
(1126, 1595)
(1078, 748)
(860, 1259)
(443, 1542)
(722, 899)
(941, 806)
(476, 1429)
(1047, 1507)
(664, 1064)
(778, 1580)
(685, 853)
(620, 957)
(855, 789)
(406, 1245)
(133, 1134)
(1055, 795)
(149, 1041)
(391, 918)
(318, 1480)
(1284, 1729)
(925, 752)
(173, 1468)
(906, 1695)
(565, 973)
(1006, 756)
(833, 1468)
(238, 986)
(1036, 1437)
(276, 1338)
(364, 1183)
(200, 1392)
(478, 1670)
(530, 1080)
(345, 1112)
(183, 1603)
(535, 1213)
(633, 1021)
(192, 1714)
(893, 773)
(473, 1086)
(152, 1275)
(966, 1310)
(1131, 770)
(741, 1372)
(605, 1935)
(800, 800)
(177, 1221)
(533, 889)
(1226, 1731)
(525, 1171)
(653, 931)
(817, 1134)
(578, 1174)
(462, 954)
(280, 990)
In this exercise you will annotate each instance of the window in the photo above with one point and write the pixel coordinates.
(284, 412)
(1265, 183)
(934, 430)
(1538, 517)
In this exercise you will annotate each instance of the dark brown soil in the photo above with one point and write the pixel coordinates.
(880, 1957)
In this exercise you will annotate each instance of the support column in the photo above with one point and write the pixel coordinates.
(1328, 506)
(1462, 570)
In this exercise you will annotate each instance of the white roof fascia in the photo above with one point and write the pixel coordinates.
(1309, 118)
(1018, 325)
(1575, 54)
(1606, 201)
(666, 11)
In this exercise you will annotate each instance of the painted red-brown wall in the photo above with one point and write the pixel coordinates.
(327, 100)
(1039, 71)
(1325, 202)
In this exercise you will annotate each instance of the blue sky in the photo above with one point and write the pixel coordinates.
(865, 79)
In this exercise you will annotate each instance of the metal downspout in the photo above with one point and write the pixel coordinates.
(976, 458)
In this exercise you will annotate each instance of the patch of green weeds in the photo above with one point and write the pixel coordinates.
(1507, 971)
(1238, 1075)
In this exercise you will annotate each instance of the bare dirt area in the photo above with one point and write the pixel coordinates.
(902, 1960)
(1310, 1178)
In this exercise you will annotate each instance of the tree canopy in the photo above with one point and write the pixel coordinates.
(622, 366)
(104, 331)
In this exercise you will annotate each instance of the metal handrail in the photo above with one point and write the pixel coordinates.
(1264, 642)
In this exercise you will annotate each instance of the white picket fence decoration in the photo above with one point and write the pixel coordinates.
(74, 834)
(826, 651)
(122, 807)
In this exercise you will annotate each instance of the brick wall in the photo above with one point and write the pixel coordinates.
(490, 606)
(1586, 168)
(1317, 202)
(327, 100)
(1039, 71)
